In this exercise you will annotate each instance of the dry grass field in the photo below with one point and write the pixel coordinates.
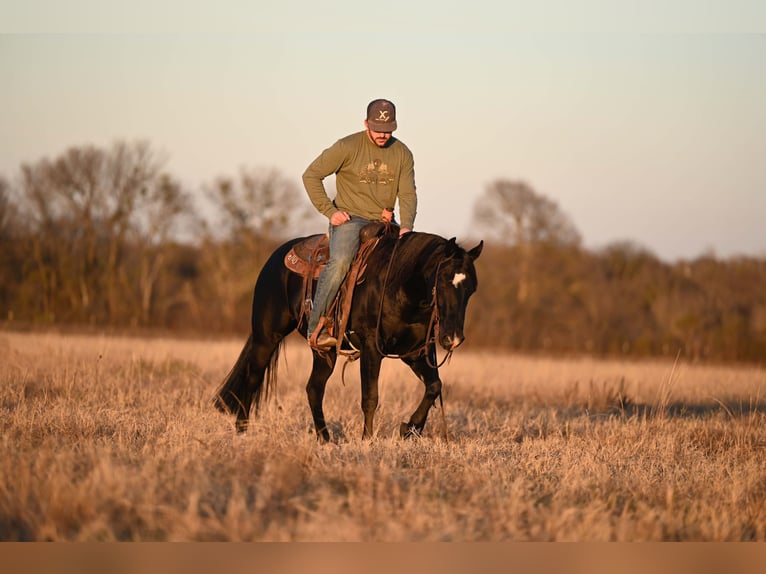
(114, 438)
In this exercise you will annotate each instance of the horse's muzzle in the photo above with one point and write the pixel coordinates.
(451, 342)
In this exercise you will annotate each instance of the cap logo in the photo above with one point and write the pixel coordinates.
(383, 116)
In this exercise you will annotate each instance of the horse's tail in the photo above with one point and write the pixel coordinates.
(270, 376)
(229, 397)
(246, 381)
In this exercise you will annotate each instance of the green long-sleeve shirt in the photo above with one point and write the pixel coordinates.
(368, 178)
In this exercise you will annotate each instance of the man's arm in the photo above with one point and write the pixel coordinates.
(328, 162)
(408, 199)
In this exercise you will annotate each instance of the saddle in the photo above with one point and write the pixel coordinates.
(308, 257)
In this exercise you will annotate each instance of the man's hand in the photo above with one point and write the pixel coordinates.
(387, 215)
(338, 218)
(404, 231)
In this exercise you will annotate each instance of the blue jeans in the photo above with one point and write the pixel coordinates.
(344, 243)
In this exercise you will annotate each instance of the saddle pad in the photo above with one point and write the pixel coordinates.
(309, 255)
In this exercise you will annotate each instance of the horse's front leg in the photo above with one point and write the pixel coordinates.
(320, 372)
(370, 371)
(430, 378)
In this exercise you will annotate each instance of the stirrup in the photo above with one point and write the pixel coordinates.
(321, 340)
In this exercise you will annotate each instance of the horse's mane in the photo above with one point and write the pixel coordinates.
(417, 253)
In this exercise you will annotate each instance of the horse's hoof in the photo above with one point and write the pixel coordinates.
(407, 430)
(323, 437)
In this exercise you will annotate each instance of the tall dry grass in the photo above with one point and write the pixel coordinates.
(109, 438)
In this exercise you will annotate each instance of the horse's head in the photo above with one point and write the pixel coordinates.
(455, 283)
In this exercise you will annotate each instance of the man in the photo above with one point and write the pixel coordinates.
(372, 170)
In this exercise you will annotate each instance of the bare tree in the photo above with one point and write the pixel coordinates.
(12, 251)
(89, 208)
(253, 212)
(165, 204)
(6, 207)
(260, 203)
(512, 213)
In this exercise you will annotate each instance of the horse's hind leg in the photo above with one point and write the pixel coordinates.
(430, 378)
(269, 330)
(320, 372)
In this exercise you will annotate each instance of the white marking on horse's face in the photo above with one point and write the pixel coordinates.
(458, 279)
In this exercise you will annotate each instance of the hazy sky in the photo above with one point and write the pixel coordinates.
(651, 134)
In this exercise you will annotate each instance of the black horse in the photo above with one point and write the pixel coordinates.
(415, 290)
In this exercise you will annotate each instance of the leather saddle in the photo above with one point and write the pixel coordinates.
(308, 257)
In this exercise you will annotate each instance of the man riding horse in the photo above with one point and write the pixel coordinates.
(372, 170)
(413, 295)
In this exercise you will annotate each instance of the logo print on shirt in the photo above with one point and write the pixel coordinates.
(376, 172)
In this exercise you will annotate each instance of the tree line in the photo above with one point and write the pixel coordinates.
(105, 237)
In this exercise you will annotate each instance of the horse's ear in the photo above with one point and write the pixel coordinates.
(451, 248)
(476, 251)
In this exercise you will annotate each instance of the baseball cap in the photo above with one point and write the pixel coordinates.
(381, 116)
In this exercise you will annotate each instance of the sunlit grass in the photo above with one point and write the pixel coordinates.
(110, 438)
